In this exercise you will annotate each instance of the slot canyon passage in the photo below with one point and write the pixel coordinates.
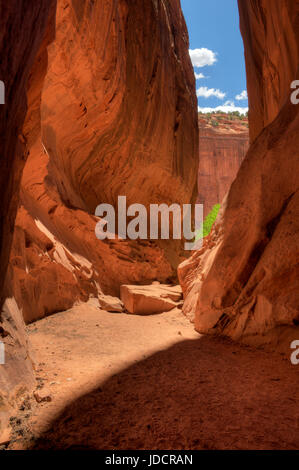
(101, 102)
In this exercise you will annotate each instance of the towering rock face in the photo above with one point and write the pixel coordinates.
(118, 117)
(244, 282)
(119, 109)
(26, 27)
(223, 143)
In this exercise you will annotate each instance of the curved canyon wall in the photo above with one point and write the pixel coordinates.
(222, 148)
(244, 283)
(118, 117)
(118, 108)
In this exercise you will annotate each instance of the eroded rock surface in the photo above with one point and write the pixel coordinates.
(56, 258)
(146, 300)
(244, 283)
(26, 28)
(26, 25)
(120, 119)
(111, 304)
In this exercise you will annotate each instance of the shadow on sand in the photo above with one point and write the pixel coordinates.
(199, 394)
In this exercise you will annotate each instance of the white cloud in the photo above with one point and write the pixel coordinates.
(242, 96)
(229, 103)
(202, 57)
(208, 92)
(198, 76)
(227, 107)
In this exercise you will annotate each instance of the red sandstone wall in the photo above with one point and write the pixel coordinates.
(26, 27)
(270, 35)
(23, 25)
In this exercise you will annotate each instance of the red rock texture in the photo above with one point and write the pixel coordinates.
(119, 111)
(244, 282)
(23, 24)
(26, 27)
(221, 151)
(56, 258)
(270, 35)
(115, 120)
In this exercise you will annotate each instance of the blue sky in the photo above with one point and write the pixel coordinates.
(216, 48)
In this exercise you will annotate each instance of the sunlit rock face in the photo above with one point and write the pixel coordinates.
(223, 143)
(119, 111)
(56, 258)
(118, 117)
(244, 282)
(26, 27)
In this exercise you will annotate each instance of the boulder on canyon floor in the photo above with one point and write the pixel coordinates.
(147, 300)
(111, 304)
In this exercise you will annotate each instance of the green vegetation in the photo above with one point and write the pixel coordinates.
(232, 115)
(209, 221)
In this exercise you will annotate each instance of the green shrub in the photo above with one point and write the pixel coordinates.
(209, 221)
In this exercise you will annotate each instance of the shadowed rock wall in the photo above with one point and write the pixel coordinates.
(26, 28)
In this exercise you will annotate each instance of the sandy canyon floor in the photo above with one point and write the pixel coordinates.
(119, 381)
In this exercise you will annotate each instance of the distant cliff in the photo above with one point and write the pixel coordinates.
(223, 143)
